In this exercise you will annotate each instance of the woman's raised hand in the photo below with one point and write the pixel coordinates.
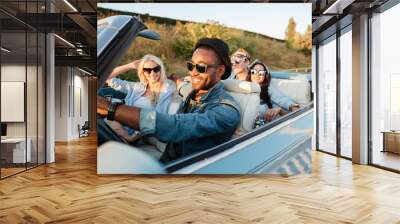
(135, 64)
(123, 68)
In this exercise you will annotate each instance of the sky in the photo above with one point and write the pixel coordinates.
(264, 18)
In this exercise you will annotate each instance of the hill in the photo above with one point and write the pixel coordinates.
(178, 39)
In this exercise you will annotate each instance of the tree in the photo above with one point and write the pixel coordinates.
(307, 38)
(290, 33)
(297, 41)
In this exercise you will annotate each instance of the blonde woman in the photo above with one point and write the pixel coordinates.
(154, 91)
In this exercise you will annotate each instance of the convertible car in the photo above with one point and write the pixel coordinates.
(282, 146)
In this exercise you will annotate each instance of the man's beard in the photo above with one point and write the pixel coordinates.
(213, 82)
(209, 85)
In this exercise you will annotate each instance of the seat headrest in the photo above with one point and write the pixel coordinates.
(238, 86)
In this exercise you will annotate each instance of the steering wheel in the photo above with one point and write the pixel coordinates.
(105, 133)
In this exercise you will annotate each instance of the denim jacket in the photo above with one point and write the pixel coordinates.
(202, 126)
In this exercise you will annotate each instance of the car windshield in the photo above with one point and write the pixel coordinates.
(108, 29)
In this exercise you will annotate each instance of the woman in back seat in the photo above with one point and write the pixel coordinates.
(271, 100)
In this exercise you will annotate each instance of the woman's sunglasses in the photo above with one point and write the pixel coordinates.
(155, 69)
(201, 68)
(259, 73)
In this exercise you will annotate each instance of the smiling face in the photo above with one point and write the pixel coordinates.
(256, 77)
(240, 62)
(206, 80)
(150, 71)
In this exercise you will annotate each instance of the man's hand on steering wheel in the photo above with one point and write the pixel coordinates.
(102, 106)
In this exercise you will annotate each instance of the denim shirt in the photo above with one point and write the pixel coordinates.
(206, 124)
(279, 99)
(136, 90)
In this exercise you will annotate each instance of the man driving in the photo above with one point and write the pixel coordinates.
(207, 117)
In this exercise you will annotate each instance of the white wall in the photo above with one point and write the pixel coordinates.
(61, 104)
(80, 101)
(71, 94)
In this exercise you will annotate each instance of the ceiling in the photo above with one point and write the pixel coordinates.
(74, 22)
(330, 15)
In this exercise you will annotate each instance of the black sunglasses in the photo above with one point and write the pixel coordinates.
(155, 69)
(201, 67)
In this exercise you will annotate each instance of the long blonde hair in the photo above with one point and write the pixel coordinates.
(146, 58)
(163, 76)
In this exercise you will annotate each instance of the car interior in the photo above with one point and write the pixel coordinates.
(246, 95)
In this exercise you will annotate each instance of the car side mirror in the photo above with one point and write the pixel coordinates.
(149, 34)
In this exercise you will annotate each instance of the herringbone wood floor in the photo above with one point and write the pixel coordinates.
(69, 191)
